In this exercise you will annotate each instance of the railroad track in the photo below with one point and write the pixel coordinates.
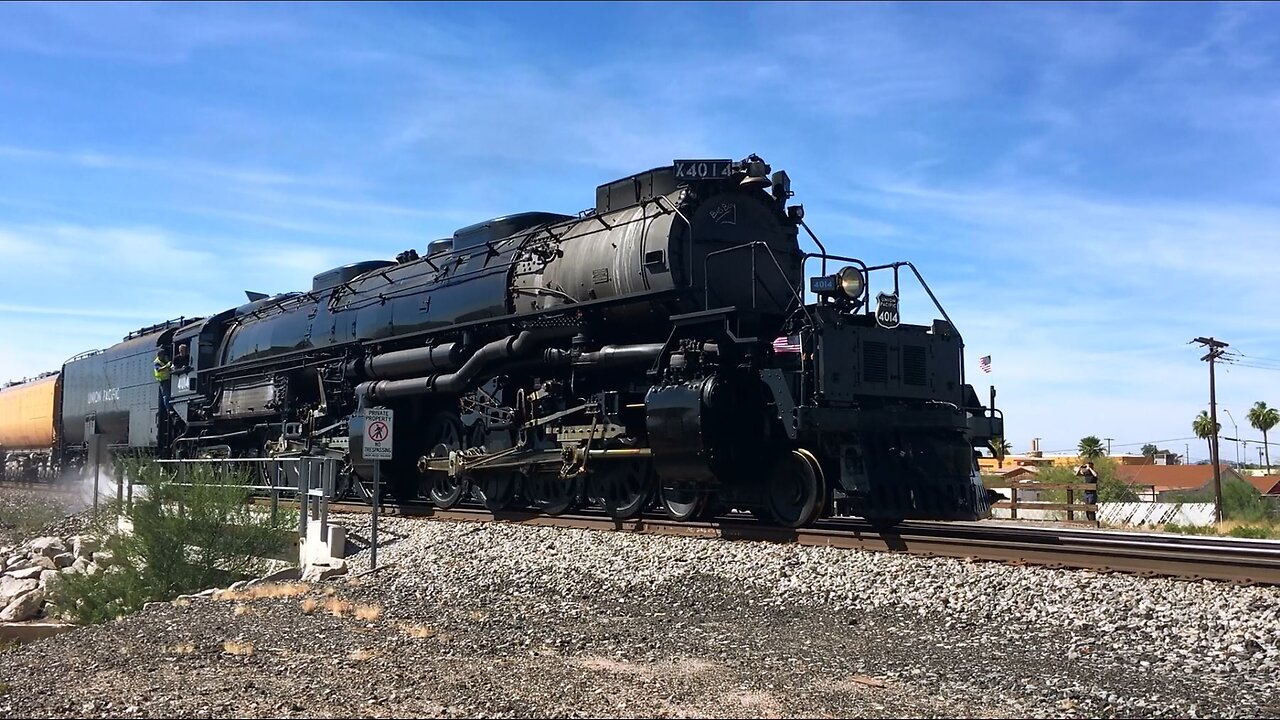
(1240, 561)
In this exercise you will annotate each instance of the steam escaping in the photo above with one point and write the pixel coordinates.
(79, 487)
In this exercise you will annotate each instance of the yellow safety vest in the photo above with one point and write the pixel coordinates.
(163, 369)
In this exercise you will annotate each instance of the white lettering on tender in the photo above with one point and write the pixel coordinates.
(108, 395)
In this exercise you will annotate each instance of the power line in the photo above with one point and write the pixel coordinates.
(1256, 362)
(1256, 358)
(1130, 444)
(1251, 366)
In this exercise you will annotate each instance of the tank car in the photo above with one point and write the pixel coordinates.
(624, 354)
(29, 429)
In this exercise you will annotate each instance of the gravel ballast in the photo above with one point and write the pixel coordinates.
(506, 620)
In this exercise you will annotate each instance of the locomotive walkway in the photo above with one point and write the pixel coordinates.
(1240, 561)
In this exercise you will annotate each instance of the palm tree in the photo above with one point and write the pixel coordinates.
(1264, 418)
(1000, 447)
(1091, 448)
(1205, 429)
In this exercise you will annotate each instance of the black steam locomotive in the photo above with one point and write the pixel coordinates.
(657, 348)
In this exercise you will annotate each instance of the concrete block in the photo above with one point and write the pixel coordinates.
(317, 550)
(25, 632)
(337, 541)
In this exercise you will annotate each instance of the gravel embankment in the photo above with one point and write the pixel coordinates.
(29, 511)
(502, 620)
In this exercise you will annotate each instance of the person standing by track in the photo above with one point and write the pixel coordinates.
(1090, 475)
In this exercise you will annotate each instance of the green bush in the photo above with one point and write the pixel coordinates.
(1251, 531)
(186, 538)
(1240, 500)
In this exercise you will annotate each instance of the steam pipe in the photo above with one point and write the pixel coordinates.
(407, 363)
(512, 346)
(614, 355)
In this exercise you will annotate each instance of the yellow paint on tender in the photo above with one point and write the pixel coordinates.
(26, 414)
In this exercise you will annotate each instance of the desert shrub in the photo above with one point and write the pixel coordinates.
(186, 537)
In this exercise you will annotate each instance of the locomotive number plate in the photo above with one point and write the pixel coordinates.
(703, 169)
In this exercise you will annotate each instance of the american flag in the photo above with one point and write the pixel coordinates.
(985, 363)
(787, 344)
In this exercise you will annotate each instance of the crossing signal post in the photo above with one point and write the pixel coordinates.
(1216, 348)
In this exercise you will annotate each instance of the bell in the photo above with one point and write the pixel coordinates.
(754, 181)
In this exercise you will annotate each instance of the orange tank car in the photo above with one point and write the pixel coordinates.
(28, 414)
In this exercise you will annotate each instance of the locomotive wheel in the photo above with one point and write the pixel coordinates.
(444, 434)
(623, 488)
(682, 504)
(551, 494)
(794, 491)
(496, 490)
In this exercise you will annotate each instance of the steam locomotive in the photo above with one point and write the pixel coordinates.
(659, 348)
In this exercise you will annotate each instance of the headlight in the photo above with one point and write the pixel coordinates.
(851, 282)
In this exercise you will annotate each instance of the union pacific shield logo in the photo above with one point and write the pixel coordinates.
(887, 310)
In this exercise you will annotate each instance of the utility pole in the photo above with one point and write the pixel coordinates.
(1108, 445)
(1216, 348)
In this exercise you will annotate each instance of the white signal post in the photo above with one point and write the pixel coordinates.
(378, 432)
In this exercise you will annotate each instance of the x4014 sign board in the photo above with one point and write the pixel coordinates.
(377, 434)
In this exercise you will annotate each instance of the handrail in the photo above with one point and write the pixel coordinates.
(920, 278)
(821, 247)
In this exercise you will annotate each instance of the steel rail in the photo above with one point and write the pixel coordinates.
(1239, 561)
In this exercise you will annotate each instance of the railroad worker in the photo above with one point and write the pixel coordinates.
(163, 369)
(182, 361)
(1090, 475)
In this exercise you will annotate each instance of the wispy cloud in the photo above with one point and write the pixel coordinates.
(173, 167)
(94, 311)
(138, 32)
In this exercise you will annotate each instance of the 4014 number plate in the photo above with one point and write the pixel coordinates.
(703, 169)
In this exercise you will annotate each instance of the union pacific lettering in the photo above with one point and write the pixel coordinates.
(101, 396)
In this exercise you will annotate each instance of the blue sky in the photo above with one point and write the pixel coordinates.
(1086, 187)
